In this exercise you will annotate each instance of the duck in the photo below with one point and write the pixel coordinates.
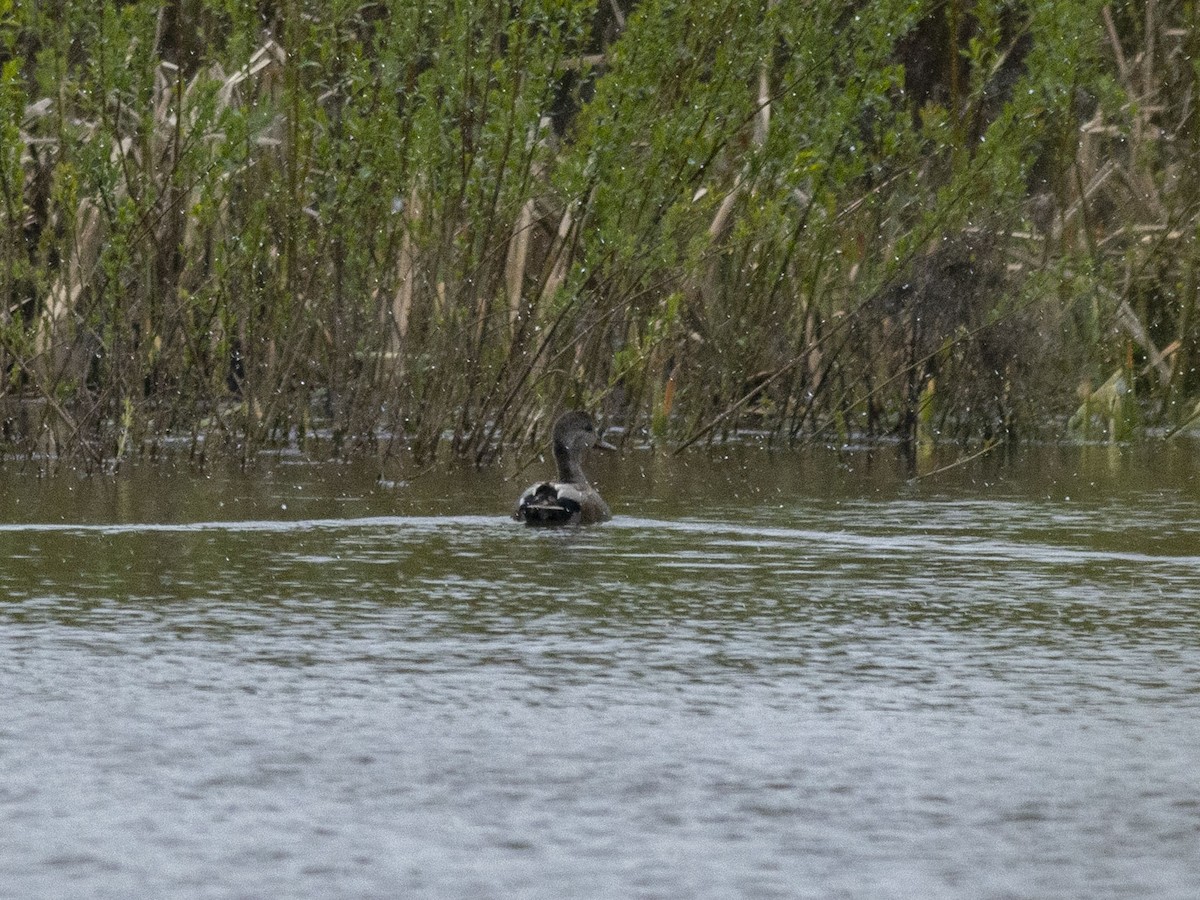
(570, 500)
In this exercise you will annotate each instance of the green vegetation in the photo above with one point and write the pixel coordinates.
(429, 226)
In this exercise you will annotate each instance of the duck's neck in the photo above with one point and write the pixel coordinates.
(569, 469)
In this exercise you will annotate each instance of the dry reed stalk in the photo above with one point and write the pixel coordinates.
(518, 254)
(406, 272)
(53, 333)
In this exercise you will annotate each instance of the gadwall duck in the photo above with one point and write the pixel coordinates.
(570, 500)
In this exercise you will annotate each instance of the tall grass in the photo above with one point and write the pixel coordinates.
(424, 228)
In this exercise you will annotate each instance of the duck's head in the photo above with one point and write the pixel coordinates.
(574, 432)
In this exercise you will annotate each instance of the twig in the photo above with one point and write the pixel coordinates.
(987, 448)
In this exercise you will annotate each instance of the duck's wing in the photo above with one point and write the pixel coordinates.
(549, 503)
(593, 509)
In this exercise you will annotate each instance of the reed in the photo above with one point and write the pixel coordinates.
(424, 228)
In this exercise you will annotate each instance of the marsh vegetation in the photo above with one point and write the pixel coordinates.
(425, 228)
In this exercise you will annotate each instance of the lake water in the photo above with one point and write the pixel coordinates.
(771, 675)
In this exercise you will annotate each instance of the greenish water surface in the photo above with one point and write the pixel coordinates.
(771, 675)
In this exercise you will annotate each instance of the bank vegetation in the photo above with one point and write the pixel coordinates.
(421, 229)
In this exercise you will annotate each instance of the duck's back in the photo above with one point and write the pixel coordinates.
(558, 503)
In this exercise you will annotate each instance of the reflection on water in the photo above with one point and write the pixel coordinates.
(768, 676)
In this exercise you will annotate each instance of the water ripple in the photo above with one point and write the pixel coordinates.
(872, 698)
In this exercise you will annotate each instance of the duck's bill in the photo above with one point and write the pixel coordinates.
(604, 445)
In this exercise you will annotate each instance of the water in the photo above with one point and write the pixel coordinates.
(769, 676)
